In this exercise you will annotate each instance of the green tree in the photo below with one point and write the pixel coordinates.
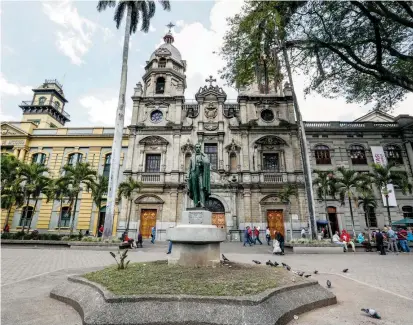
(325, 186)
(355, 49)
(126, 189)
(383, 175)
(285, 196)
(34, 181)
(367, 200)
(137, 12)
(99, 191)
(347, 183)
(77, 177)
(59, 189)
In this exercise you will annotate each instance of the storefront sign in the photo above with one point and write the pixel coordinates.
(13, 142)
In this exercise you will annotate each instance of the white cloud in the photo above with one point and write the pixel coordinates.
(7, 88)
(7, 118)
(152, 29)
(103, 112)
(197, 44)
(74, 36)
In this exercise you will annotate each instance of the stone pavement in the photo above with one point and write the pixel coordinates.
(381, 282)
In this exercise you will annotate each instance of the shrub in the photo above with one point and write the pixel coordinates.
(122, 257)
(7, 235)
(65, 238)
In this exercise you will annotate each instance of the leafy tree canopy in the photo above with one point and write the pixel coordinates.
(362, 50)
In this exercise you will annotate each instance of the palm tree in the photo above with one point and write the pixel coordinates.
(346, 185)
(137, 12)
(12, 195)
(325, 184)
(77, 176)
(32, 175)
(367, 200)
(59, 190)
(383, 175)
(99, 191)
(285, 196)
(126, 190)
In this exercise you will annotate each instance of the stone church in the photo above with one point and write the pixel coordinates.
(252, 146)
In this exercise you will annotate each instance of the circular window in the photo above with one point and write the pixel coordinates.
(267, 115)
(156, 116)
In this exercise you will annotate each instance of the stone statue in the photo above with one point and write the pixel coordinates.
(199, 180)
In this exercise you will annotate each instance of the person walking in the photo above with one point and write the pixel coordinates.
(140, 240)
(257, 235)
(268, 235)
(246, 236)
(153, 234)
(276, 245)
(392, 241)
(250, 236)
(380, 242)
(280, 239)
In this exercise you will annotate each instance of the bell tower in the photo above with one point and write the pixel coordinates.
(165, 71)
(47, 107)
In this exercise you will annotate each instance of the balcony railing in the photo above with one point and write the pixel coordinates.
(273, 178)
(349, 125)
(151, 178)
(38, 104)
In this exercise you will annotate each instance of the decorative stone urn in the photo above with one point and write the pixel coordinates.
(195, 241)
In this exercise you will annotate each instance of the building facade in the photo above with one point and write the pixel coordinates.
(252, 144)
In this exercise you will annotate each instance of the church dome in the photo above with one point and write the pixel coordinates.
(167, 49)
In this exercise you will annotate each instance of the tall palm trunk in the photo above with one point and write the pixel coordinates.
(25, 212)
(303, 146)
(368, 223)
(291, 219)
(72, 223)
(117, 138)
(352, 217)
(59, 219)
(34, 212)
(130, 210)
(328, 219)
(7, 217)
(99, 206)
(388, 210)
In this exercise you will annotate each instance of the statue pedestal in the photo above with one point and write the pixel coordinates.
(195, 241)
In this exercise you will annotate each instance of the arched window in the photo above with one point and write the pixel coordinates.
(56, 105)
(75, 158)
(106, 166)
(407, 211)
(393, 154)
(372, 220)
(233, 162)
(358, 155)
(42, 100)
(322, 155)
(39, 158)
(162, 63)
(64, 217)
(187, 161)
(160, 85)
(26, 218)
(214, 205)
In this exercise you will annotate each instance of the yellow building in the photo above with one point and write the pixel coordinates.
(41, 136)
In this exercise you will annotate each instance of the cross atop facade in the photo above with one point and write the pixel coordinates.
(210, 80)
(170, 25)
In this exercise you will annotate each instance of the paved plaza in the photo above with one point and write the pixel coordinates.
(373, 281)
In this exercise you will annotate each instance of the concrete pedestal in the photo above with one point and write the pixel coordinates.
(195, 242)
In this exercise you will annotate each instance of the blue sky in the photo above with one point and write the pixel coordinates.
(72, 42)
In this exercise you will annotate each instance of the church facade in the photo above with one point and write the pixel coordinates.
(252, 145)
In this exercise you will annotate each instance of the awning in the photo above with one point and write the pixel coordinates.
(322, 222)
(402, 222)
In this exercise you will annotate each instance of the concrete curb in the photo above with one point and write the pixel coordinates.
(277, 306)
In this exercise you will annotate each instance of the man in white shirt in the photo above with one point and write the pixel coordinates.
(337, 241)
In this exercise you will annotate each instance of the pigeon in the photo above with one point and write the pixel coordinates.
(224, 258)
(256, 262)
(315, 272)
(275, 263)
(288, 268)
(283, 264)
(300, 273)
(269, 263)
(371, 312)
(345, 270)
(307, 275)
(328, 283)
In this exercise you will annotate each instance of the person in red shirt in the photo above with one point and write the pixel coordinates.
(100, 231)
(257, 235)
(402, 237)
(345, 238)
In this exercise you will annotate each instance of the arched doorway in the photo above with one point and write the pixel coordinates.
(332, 215)
(218, 212)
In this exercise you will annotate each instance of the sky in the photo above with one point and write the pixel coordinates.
(71, 42)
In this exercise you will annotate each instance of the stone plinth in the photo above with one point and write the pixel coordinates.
(196, 242)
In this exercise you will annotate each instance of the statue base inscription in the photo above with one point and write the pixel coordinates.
(196, 242)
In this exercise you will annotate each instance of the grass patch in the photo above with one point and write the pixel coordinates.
(160, 278)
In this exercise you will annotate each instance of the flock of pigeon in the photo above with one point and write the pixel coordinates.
(371, 312)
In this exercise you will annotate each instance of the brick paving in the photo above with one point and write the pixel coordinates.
(33, 273)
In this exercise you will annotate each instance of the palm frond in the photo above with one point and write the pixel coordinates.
(103, 4)
(146, 20)
(119, 12)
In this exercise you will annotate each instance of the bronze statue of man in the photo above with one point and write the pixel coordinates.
(199, 180)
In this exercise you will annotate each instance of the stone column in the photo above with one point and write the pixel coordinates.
(247, 207)
(178, 112)
(141, 156)
(410, 154)
(22, 154)
(131, 151)
(245, 152)
(16, 152)
(220, 155)
(243, 111)
(163, 163)
(176, 152)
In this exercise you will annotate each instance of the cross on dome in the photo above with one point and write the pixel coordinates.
(210, 80)
(170, 25)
